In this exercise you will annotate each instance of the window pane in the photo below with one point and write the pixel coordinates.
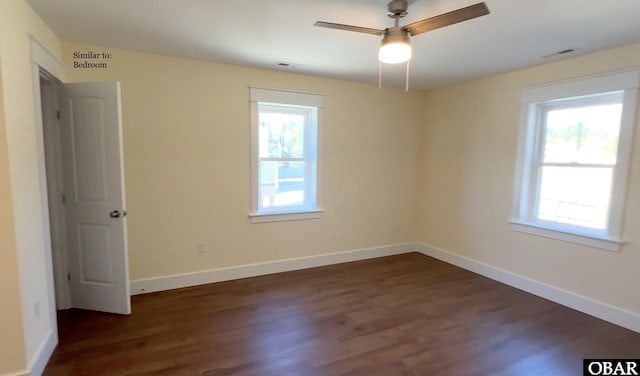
(281, 135)
(586, 134)
(575, 195)
(282, 184)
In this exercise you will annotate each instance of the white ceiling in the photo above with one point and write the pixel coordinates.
(261, 33)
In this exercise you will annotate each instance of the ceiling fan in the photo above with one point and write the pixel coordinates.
(395, 40)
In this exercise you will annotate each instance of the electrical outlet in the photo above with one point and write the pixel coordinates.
(202, 247)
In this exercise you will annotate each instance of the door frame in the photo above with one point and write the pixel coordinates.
(49, 87)
(42, 59)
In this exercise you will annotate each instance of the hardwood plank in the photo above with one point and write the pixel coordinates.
(400, 315)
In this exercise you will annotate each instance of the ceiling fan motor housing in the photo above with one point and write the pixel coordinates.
(395, 35)
(397, 8)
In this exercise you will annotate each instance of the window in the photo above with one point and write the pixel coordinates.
(284, 134)
(573, 159)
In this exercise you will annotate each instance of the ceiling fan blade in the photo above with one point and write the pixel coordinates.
(446, 19)
(358, 29)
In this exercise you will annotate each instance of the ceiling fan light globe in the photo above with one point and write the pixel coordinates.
(395, 52)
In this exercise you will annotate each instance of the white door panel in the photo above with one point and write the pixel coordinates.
(95, 200)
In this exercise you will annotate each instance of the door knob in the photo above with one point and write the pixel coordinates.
(114, 214)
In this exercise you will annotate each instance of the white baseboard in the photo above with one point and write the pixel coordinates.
(580, 303)
(39, 361)
(143, 286)
(22, 373)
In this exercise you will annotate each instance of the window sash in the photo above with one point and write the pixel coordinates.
(620, 87)
(306, 112)
(286, 102)
(534, 212)
(307, 203)
(542, 110)
(537, 162)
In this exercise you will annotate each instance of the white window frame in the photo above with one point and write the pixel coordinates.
(311, 106)
(536, 100)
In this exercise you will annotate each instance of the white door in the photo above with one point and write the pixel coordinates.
(94, 196)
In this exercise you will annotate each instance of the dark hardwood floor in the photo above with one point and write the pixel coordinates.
(400, 315)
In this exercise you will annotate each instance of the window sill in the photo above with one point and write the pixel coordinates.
(605, 243)
(285, 216)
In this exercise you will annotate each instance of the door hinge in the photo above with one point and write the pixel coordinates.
(69, 276)
(58, 114)
(64, 199)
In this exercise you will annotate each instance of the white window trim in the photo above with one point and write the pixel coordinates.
(609, 244)
(625, 81)
(282, 216)
(283, 97)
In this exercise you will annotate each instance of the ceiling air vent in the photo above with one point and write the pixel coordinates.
(286, 64)
(563, 52)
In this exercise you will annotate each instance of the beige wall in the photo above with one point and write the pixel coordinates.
(468, 154)
(22, 228)
(12, 357)
(187, 163)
